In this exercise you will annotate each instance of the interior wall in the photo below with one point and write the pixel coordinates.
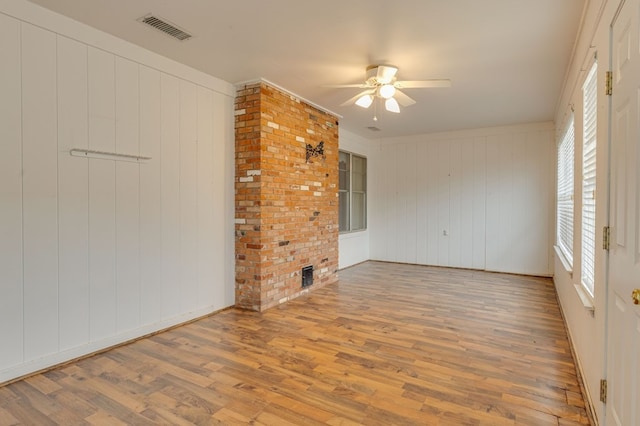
(480, 199)
(354, 246)
(586, 331)
(93, 251)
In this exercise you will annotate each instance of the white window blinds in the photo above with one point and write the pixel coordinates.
(564, 202)
(589, 93)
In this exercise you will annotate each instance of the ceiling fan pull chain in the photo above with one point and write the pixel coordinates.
(375, 110)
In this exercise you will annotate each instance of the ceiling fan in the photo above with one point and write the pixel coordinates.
(381, 83)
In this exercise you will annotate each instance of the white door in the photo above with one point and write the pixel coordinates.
(623, 353)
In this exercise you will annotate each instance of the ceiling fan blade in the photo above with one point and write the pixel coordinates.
(417, 84)
(343, 86)
(391, 105)
(386, 73)
(403, 99)
(356, 97)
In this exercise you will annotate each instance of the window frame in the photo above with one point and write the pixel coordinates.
(350, 191)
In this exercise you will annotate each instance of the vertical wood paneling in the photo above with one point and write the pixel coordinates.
(455, 202)
(102, 196)
(11, 302)
(188, 196)
(489, 193)
(410, 201)
(40, 192)
(224, 137)
(538, 204)
(519, 203)
(150, 197)
(422, 188)
(170, 197)
(380, 240)
(374, 220)
(530, 206)
(443, 199)
(127, 196)
(208, 263)
(432, 173)
(403, 228)
(497, 180)
(500, 203)
(479, 203)
(90, 249)
(220, 168)
(394, 227)
(73, 194)
(467, 210)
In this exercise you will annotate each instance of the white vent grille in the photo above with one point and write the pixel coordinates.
(373, 128)
(166, 27)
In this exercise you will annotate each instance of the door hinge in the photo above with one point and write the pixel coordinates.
(609, 83)
(603, 390)
(606, 237)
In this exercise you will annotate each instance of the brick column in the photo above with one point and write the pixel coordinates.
(286, 205)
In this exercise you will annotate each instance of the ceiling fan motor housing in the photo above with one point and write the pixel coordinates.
(380, 74)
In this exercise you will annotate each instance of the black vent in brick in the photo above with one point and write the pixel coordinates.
(307, 276)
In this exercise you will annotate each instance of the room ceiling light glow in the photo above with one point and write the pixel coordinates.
(387, 91)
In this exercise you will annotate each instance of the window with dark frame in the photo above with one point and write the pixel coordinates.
(352, 192)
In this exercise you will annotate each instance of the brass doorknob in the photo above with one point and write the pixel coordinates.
(635, 296)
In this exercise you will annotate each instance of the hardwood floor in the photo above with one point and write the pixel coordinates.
(388, 344)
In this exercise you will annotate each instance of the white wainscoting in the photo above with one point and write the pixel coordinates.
(96, 251)
(480, 199)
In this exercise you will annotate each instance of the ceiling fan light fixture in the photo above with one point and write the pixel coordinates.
(392, 105)
(382, 83)
(387, 91)
(364, 101)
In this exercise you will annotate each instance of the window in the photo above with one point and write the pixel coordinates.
(564, 204)
(352, 192)
(589, 94)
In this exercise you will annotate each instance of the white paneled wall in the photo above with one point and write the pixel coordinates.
(475, 199)
(39, 190)
(11, 244)
(92, 251)
(73, 194)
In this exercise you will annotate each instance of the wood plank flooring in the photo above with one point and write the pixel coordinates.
(388, 344)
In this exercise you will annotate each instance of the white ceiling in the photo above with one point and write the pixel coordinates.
(506, 58)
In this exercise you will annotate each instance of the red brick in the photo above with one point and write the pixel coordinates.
(266, 271)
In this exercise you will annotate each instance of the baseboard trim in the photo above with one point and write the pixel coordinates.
(494, 271)
(59, 359)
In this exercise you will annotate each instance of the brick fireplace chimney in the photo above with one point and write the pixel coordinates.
(286, 196)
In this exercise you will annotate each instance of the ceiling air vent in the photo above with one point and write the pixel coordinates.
(373, 128)
(163, 25)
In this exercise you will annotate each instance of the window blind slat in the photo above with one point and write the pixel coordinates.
(564, 204)
(589, 179)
